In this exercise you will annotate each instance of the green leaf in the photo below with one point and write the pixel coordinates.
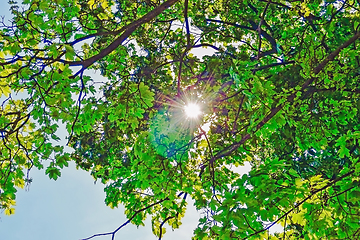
(53, 173)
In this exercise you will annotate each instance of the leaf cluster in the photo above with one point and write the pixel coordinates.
(278, 85)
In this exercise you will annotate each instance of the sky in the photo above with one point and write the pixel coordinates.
(73, 207)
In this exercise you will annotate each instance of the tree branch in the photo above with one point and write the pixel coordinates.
(188, 45)
(127, 32)
(125, 223)
(272, 65)
(213, 47)
(130, 219)
(300, 203)
(228, 150)
(262, 19)
(332, 55)
(230, 23)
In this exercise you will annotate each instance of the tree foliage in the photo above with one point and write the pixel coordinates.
(278, 87)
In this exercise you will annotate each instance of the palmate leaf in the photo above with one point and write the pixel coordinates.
(53, 172)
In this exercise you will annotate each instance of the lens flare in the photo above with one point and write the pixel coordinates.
(192, 110)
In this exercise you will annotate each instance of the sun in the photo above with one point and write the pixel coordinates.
(192, 110)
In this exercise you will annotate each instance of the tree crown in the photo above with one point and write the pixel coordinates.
(277, 86)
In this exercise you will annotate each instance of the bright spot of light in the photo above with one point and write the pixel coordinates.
(192, 110)
(206, 127)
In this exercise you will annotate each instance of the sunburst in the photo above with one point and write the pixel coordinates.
(192, 110)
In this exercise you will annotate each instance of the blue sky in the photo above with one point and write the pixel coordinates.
(72, 208)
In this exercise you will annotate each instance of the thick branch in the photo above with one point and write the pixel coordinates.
(127, 32)
(332, 55)
(262, 17)
(264, 34)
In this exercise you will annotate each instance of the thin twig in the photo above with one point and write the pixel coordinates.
(300, 203)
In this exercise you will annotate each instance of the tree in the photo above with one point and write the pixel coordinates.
(280, 89)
